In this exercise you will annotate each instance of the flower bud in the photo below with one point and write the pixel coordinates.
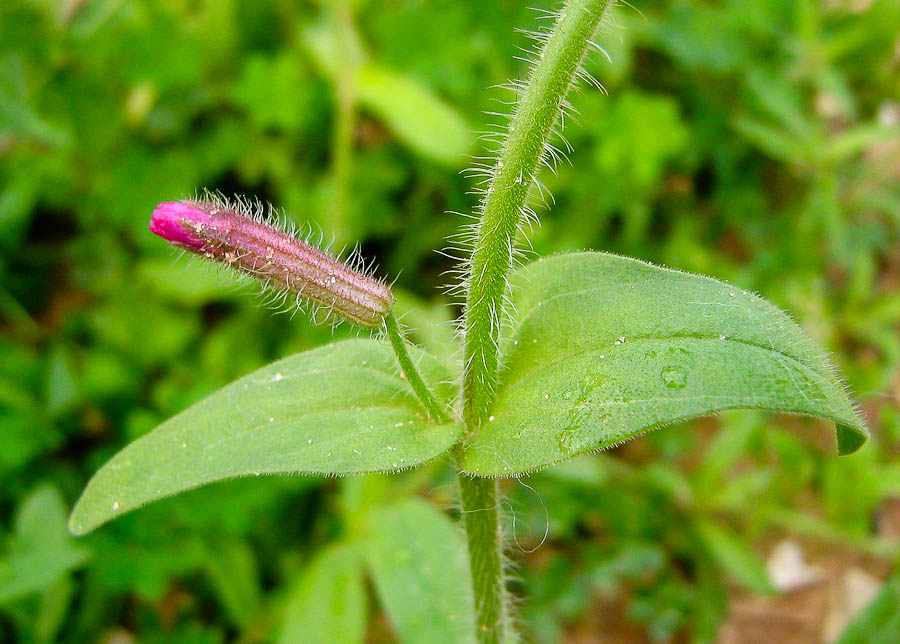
(222, 234)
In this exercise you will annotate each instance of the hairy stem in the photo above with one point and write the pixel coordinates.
(432, 406)
(481, 517)
(503, 203)
(502, 214)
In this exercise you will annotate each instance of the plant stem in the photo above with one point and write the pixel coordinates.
(503, 212)
(503, 203)
(344, 118)
(432, 406)
(481, 517)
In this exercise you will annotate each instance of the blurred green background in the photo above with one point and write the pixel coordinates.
(751, 140)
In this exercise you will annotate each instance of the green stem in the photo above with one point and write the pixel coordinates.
(344, 118)
(432, 406)
(502, 215)
(481, 517)
(503, 203)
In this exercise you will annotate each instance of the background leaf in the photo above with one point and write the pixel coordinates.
(604, 348)
(41, 550)
(879, 622)
(423, 121)
(736, 558)
(339, 409)
(232, 570)
(328, 604)
(421, 570)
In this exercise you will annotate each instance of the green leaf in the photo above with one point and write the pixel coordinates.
(423, 121)
(231, 566)
(53, 608)
(879, 622)
(339, 409)
(604, 348)
(735, 557)
(329, 602)
(420, 567)
(41, 551)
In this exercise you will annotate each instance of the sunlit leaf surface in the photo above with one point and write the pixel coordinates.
(339, 409)
(604, 348)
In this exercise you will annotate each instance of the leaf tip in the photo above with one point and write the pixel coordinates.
(850, 437)
(78, 524)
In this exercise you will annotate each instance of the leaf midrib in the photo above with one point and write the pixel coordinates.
(676, 336)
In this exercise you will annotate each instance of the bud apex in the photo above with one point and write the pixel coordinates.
(217, 231)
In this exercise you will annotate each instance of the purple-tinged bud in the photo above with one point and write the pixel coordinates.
(222, 234)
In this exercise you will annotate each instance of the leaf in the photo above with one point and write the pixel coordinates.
(879, 622)
(187, 283)
(41, 551)
(53, 609)
(231, 566)
(604, 348)
(328, 603)
(735, 557)
(339, 409)
(420, 567)
(423, 121)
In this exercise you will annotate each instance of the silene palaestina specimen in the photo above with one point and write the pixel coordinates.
(562, 356)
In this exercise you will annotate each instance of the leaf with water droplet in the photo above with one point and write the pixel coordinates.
(331, 410)
(675, 346)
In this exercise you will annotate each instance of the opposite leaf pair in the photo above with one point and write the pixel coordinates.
(602, 348)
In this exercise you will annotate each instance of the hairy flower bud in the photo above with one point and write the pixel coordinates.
(221, 233)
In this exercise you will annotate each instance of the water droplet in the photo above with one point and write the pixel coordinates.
(567, 439)
(574, 439)
(674, 377)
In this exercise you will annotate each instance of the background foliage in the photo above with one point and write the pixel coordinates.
(755, 141)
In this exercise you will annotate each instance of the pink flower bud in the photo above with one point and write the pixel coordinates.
(220, 233)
